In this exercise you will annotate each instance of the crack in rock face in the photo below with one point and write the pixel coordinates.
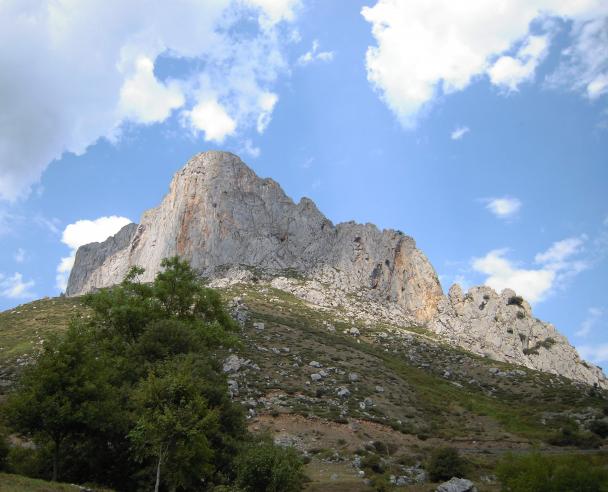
(219, 215)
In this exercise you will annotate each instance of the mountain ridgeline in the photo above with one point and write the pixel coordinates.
(233, 226)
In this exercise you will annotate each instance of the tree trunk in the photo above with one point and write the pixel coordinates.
(55, 461)
(160, 459)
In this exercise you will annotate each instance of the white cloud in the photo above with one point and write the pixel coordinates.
(594, 353)
(19, 255)
(459, 132)
(593, 316)
(15, 287)
(561, 251)
(84, 232)
(425, 48)
(274, 11)
(532, 284)
(556, 265)
(598, 86)
(584, 65)
(315, 55)
(266, 103)
(504, 207)
(510, 71)
(211, 118)
(65, 84)
(144, 99)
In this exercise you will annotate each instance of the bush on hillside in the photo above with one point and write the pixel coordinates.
(265, 467)
(446, 463)
(599, 427)
(573, 437)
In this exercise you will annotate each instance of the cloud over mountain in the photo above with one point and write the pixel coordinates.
(74, 73)
(426, 48)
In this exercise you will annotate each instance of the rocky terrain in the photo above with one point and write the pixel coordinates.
(235, 227)
(361, 399)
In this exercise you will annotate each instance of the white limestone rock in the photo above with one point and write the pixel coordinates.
(502, 327)
(219, 213)
(233, 227)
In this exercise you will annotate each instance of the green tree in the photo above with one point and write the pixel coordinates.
(66, 393)
(265, 467)
(174, 423)
(111, 385)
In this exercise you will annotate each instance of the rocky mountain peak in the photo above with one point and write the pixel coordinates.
(219, 215)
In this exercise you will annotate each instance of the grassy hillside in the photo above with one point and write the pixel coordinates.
(24, 327)
(17, 483)
(389, 394)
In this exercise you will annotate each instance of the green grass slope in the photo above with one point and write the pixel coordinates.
(407, 392)
(18, 483)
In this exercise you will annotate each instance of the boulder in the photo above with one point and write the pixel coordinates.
(457, 485)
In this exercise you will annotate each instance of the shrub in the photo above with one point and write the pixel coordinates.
(538, 473)
(265, 467)
(515, 301)
(373, 463)
(600, 428)
(446, 463)
(571, 437)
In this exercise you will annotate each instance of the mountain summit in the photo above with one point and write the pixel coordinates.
(227, 222)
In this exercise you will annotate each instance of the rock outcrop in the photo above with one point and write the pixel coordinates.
(221, 217)
(502, 327)
(219, 213)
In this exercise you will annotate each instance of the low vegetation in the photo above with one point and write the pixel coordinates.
(127, 391)
(445, 463)
(133, 396)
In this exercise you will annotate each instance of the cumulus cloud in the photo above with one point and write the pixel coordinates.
(425, 48)
(211, 118)
(555, 265)
(593, 316)
(65, 84)
(315, 55)
(84, 232)
(509, 72)
(144, 99)
(14, 287)
(459, 132)
(532, 284)
(504, 207)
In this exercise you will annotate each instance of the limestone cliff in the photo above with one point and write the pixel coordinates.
(219, 215)
(218, 212)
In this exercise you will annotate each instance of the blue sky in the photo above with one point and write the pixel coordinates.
(481, 133)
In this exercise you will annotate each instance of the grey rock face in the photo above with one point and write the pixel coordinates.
(219, 215)
(91, 257)
(502, 327)
(218, 212)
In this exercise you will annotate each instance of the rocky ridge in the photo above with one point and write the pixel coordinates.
(233, 226)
